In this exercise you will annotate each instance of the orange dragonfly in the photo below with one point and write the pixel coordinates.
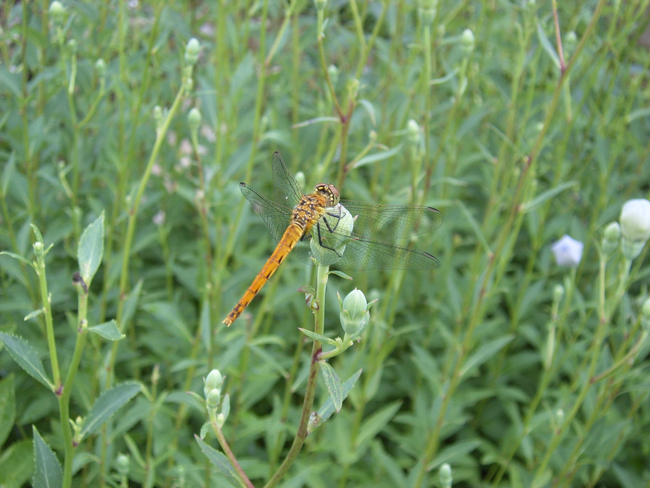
(320, 221)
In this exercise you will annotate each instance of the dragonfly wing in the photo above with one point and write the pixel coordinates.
(392, 222)
(286, 190)
(275, 216)
(363, 254)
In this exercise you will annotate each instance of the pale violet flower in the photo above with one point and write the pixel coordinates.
(568, 251)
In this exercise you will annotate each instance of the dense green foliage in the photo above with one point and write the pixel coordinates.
(524, 128)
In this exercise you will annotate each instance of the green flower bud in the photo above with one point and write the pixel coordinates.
(123, 464)
(157, 114)
(213, 398)
(57, 12)
(38, 248)
(467, 41)
(635, 226)
(611, 237)
(427, 11)
(320, 4)
(213, 381)
(192, 51)
(300, 178)
(645, 315)
(413, 132)
(570, 41)
(354, 313)
(329, 247)
(221, 419)
(194, 119)
(444, 475)
(559, 417)
(558, 293)
(100, 67)
(72, 46)
(333, 71)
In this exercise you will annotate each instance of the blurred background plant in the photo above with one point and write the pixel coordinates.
(521, 121)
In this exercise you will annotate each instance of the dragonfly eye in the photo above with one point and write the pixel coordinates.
(330, 192)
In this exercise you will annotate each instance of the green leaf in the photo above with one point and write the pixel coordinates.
(475, 226)
(35, 313)
(374, 158)
(326, 411)
(635, 114)
(18, 257)
(317, 337)
(11, 82)
(7, 407)
(221, 462)
(333, 383)
(107, 404)
(371, 111)
(17, 464)
(47, 472)
(542, 197)
(26, 357)
(548, 47)
(341, 274)
(8, 172)
(453, 453)
(108, 330)
(91, 249)
(484, 353)
(376, 422)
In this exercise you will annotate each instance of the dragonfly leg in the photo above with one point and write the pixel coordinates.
(338, 216)
(321, 241)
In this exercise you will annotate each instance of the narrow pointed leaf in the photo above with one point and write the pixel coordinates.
(221, 462)
(7, 407)
(333, 383)
(374, 158)
(47, 472)
(107, 404)
(107, 330)
(317, 337)
(91, 249)
(326, 411)
(548, 47)
(485, 352)
(26, 358)
(377, 421)
(18, 257)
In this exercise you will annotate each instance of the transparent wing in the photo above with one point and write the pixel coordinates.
(363, 253)
(275, 216)
(286, 190)
(392, 222)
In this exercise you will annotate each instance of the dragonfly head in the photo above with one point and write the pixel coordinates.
(329, 192)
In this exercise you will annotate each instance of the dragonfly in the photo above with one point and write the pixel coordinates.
(322, 229)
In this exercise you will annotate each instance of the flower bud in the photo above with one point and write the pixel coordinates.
(413, 132)
(320, 4)
(558, 293)
(57, 12)
(635, 226)
(213, 398)
(194, 119)
(157, 114)
(213, 381)
(645, 315)
(192, 51)
(100, 67)
(354, 313)
(333, 71)
(467, 41)
(328, 247)
(123, 464)
(559, 417)
(72, 46)
(444, 475)
(427, 11)
(611, 236)
(568, 252)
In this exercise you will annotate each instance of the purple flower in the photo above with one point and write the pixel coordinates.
(568, 251)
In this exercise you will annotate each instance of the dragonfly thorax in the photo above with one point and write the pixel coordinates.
(329, 192)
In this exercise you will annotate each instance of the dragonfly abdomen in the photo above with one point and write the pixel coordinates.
(289, 239)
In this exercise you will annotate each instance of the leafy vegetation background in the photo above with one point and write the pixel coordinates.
(484, 364)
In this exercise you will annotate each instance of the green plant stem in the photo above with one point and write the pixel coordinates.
(312, 380)
(226, 449)
(64, 399)
(30, 170)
